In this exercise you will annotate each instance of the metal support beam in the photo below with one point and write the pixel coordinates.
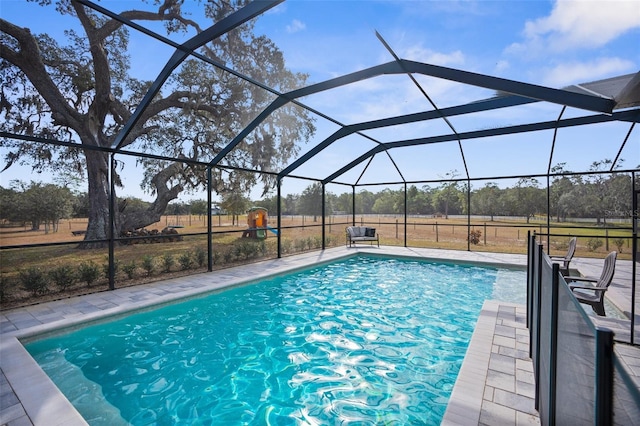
(533, 91)
(553, 146)
(353, 205)
(209, 220)
(469, 215)
(483, 105)
(324, 216)
(216, 30)
(635, 217)
(401, 66)
(629, 115)
(112, 221)
(406, 206)
(553, 143)
(613, 163)
(424, 93)
(279, 211)
(280, 101)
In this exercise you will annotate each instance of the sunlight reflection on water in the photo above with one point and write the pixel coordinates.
(383, 343)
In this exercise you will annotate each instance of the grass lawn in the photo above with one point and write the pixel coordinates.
(298, 233)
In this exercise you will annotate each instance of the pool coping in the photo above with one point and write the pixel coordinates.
(43, 403)
(495, 384)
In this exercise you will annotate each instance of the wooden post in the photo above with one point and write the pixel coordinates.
(485, 233)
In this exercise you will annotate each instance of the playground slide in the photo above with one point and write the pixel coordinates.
(275, 231)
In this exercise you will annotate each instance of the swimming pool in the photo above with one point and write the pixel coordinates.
(366, 339)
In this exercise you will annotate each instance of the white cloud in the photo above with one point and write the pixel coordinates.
(583, 72)
(502, 65)
(278, 10)
(295, 26)
(580, 24)
(421, 54)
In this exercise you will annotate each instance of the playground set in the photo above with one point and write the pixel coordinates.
(257, 221)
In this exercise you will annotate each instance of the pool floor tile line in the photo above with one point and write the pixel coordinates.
(486, 391)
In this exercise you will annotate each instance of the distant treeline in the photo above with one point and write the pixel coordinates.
(600, 196)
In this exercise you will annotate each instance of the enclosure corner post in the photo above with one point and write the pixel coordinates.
(279, 213)
(635, 217)
(209, 222)
(469, 215)
(405, 214)
(324, 218)
(530, 266)
(548, 214)
(353, 205)
(112, 222)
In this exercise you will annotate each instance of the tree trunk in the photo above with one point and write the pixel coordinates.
(98, 194)
(164, 195)
(139, 219)
(98, 227)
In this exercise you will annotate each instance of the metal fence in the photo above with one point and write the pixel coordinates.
(580, 378)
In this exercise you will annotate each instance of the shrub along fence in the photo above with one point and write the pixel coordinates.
(34, 272)
(31, 272)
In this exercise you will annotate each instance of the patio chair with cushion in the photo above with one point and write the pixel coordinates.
(566, 259)
(593, 294)
(356, 234)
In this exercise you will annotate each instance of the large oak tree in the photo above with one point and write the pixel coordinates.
(82, 90)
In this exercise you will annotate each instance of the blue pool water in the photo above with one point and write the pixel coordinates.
(366, 340)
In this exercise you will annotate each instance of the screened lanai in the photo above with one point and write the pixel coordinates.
(141, 107)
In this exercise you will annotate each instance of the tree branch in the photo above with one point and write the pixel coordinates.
(29, 60)
(169, 11)
(102, 71)
(164, 195)
(174, 100)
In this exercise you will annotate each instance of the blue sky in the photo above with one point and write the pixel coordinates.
(550, 43)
